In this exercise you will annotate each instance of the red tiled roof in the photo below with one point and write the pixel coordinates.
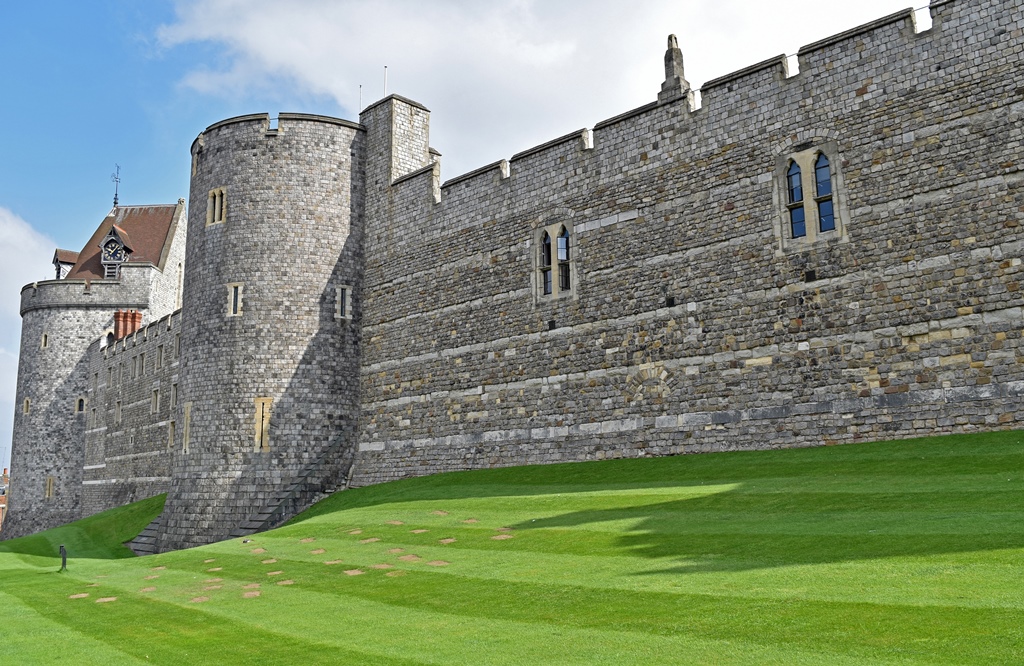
(151, 228)
(65, 256)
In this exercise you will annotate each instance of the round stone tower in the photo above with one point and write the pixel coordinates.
(49, 419)
(268, 407)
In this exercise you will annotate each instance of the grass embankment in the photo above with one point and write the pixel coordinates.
(905, 552)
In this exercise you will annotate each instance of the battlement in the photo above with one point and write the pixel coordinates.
(890, 47)
(268, 125)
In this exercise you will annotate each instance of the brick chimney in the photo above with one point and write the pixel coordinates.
(126, 322)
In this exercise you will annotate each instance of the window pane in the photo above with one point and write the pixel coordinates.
(796, 222)
(563, 245)
(546, 276)
(796, 190)
(563, 277)
(823, 176)
(826, 220)
(545, 251)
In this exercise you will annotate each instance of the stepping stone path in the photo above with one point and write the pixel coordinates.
(502, 537)
(307, 540)
(258, 551)
(410, 558)
(213, 559)
(213, 587)
(394, 574)
(83, 595)
(395, 522)
(148, 589)
(471, 521)
(215, 569)
(382, 566)
(274, 573)
(356, 532)
(437, 563)
(213, 580)
(250, 586)
(333, 562)
(439, 513)
(286, 582)
(318, 551)
(396, 550)
(151, 577)
(251, 594)
(418, 531)
(198, 600)
(270, 561)
(371, 540)
(447, 541)
(106, 600)
(158, 568)
(354, 572)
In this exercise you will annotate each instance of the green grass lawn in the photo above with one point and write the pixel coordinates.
(891, 553)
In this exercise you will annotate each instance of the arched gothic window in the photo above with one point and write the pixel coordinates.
(545, 264)
(795, 203)
(823, 194)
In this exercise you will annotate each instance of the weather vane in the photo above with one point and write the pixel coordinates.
(115, 178)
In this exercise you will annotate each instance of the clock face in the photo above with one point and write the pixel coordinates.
(113, 251)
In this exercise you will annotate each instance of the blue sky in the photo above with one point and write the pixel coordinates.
(85, 85)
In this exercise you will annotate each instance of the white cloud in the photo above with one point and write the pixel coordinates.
(499, 76)
(27, 255)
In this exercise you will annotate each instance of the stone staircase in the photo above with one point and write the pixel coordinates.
(308, 488)
(147, 542)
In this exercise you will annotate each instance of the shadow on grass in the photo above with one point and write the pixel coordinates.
(100, 537)
(949, 494)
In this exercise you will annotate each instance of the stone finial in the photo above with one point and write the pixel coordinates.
(675, 84)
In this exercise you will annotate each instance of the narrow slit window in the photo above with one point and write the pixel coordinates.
(45, 341)
(117, 412)
(142, 364)
(170, 435)
(174, 396)
(262, 438)
(823, 194)
(26, 406)
(343, 302)
(80, 405)
(159, 356)
(235, 299)
(186, 428)
(49, 489)
(154, 403)
(795, 192)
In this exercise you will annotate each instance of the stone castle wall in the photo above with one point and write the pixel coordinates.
(695, 322)
(129, 426)
(59, 442)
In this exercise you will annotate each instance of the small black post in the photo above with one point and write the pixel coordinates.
(63, 558)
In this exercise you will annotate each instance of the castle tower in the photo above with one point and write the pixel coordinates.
(61, 320)
(269, 342)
